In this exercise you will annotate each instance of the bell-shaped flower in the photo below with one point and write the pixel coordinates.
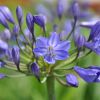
(72, 80)
(52, 48)
(7, 13)
(90, 74)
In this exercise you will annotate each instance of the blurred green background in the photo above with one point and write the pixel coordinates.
(28, 88)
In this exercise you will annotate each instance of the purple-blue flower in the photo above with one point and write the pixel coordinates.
(72, 80)
(90, 74)
(52, 48)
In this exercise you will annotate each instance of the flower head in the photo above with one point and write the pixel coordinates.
(52, 49)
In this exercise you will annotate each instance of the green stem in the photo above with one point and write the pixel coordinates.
(51, 88)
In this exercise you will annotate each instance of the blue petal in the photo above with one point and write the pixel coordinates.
(61, 55)
(41, 42)
(64, 45)
(54, 39)
(40, 51)
(86, 74)
(49, 59)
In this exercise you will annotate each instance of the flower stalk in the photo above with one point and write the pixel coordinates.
(51, 87)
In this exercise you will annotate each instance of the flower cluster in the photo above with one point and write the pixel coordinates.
(51, 53)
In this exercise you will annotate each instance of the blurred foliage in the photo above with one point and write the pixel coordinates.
(28, 88)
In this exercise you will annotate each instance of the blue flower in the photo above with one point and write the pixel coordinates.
(52, 49)
(72, 80)
(90, 74)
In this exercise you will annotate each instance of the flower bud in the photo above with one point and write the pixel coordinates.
(79, 41)
(3, 48)
(89, 75)
(75, 10)
(6, 35)
(1, 64)
(16, 56)
(72, 80)
(40, 20)
(7, 13)
(19, 14)
(60, 9)
(16, 30)
(3, 21)
(35, 70)
(29, 22)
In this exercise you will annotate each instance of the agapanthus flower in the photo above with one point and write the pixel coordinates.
(52, 49)
(90, 74)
